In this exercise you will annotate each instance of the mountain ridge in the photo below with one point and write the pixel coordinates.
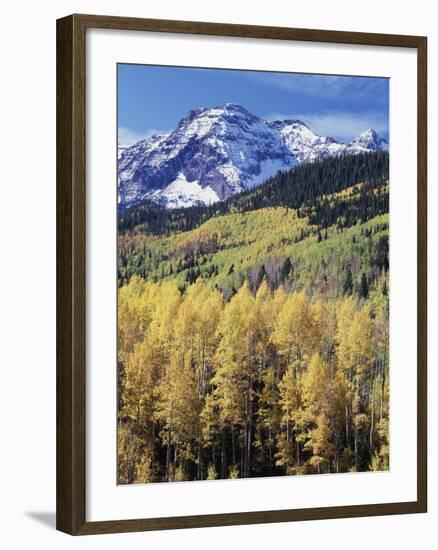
(217, 152)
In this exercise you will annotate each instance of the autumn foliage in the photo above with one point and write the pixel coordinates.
(253, 334)
(265, 383)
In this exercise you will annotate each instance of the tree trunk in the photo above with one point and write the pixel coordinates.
(223, 457)
(372, 415)
(199, 455)
(287, 426)
(233, 446)
(356, 436)
(175, 459)
(382, 391)
(347, 432)
(297, 450)
(355, 448)
(242, 453)
(169, 440)
(248, 450)
(270, 450)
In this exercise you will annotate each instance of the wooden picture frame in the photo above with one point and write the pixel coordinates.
(71, 274)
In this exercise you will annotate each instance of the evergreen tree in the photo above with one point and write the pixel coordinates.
(285, 269)
(348, 282)
(363, 287)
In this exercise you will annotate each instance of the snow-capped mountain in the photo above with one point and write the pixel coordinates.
(304, 143)
(369, 141)
(212, 154)
(218, 152)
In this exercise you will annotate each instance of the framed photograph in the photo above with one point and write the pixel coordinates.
(241, 274)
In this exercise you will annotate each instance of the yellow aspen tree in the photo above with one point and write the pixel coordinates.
(323, 391)
(355, 356)
(179, 404)
(235, 373)
(136, 435)
(290, 401)
(295, 330)
(195, 334)
(320, 442)
(379, 401)
(269, 415)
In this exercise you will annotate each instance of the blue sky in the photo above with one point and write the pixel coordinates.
(154, 99)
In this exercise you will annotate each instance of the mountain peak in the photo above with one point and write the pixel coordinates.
(369, 132)
(207, 120)
(218, 110)
(282, 123)
(233, 107)
(371, 140)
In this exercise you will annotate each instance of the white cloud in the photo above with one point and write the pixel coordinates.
(341, 126)
(129, 137)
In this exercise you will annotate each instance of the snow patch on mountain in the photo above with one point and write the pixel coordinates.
(182, 193)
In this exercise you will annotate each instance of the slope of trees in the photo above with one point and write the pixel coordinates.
(271, 244)
(295, 188)
(264, 383)
(253, 334)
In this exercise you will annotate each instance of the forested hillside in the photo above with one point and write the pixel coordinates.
(295, 188)
(253, 334)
